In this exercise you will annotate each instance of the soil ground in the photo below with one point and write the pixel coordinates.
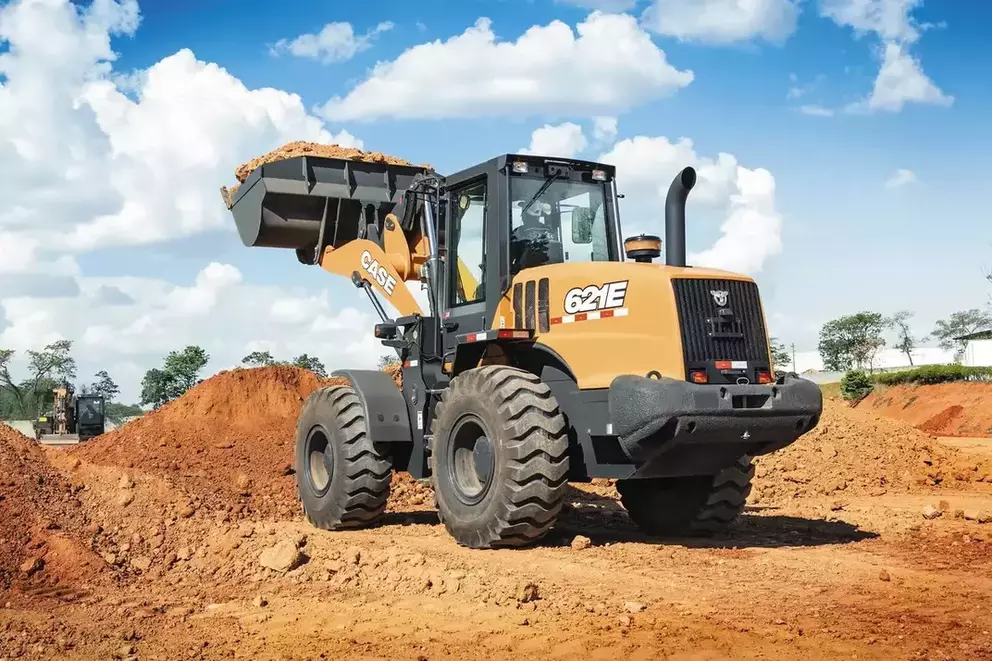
(946, 409)
(834, 558)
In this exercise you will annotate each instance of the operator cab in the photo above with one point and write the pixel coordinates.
(512, 213)
(519, 212)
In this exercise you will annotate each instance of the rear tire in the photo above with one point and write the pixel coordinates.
(342, 479)
(499, 458)
(688, 505)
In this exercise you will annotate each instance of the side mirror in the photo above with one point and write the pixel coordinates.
(582, 225)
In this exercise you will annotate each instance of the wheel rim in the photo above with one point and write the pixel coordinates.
(471, 460)
(320, 461)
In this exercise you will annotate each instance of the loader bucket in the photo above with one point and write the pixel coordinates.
(282, 204)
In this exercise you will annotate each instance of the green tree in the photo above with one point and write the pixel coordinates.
(156, 388)
(852, 341)
(780, 354)
(117, 412)
(958, 324)
(179, 373)
(259, 359)
(47, 368)
(855, 386)
(185, 366)
(104, 386)
(310, 363)
(905, 341)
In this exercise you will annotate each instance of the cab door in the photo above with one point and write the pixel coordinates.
(468, 213)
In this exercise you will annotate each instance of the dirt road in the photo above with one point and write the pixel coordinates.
(817, 569)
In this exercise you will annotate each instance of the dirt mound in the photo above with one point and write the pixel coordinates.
(943, 420)
(39, 514)
(854, 451)
(946, 409)
(228, 442)
(301, 148)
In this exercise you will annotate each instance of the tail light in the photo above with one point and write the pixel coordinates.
(698, 376)
(764, 377)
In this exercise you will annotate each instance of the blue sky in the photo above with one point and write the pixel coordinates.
(775, 87)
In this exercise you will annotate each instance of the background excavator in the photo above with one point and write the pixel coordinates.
(552, 350)
(72, 418)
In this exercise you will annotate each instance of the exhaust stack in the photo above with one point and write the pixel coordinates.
(678, 192)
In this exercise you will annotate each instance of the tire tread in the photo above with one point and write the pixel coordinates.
(537, 444)
(692, 506)
(361, 497)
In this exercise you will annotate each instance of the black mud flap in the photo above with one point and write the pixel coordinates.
(385, 410)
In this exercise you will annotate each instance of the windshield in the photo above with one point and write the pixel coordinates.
(544, 234)
(90, 411)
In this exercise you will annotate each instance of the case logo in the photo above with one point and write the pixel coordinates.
(378, 272)
(720, 297)
(596, 297)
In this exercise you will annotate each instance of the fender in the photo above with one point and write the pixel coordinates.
(386, 413)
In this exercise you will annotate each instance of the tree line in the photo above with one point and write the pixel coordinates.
(31, 395)
(853, 341)
(181, 371)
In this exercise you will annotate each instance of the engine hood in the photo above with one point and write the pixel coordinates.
(605, 318)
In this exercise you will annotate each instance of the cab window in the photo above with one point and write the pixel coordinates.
(466, 240)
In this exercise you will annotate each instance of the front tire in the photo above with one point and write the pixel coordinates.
(688, 505)
(499, 458)
(342, 479)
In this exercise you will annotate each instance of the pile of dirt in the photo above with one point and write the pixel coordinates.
(302, 148)
(395, 372)
(856, 452)
(946, 409)
(228, 442)
(40, 516)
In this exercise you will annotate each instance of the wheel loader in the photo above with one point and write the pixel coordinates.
(72, 418)
(552, 350)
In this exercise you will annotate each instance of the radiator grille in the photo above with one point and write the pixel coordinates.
(531, 305)
(697, 306)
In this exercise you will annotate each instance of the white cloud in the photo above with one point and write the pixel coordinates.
(751, 232)
(608, 64)
(900, 78)
(900, 81)
(816, 110)
(604, 129)
(901, 177)
(564, 141)
(91, 159)
(723, 21)
(336, 42)
(890, 19)
(217, 311)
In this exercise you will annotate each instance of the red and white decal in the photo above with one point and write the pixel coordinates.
(589, 316)
(502, 334)
(590, 298)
